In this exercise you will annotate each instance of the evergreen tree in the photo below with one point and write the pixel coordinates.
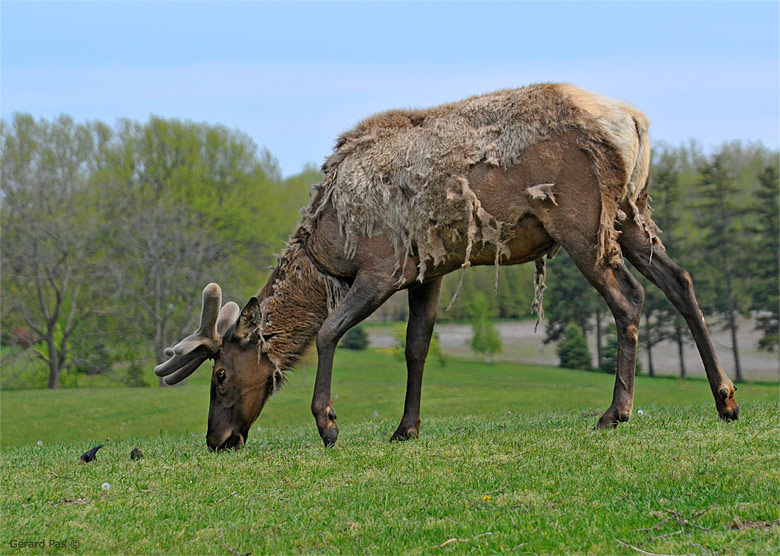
(572, 349)
(662, 321)
(356, 338)
(569, 298)
(764, 289)
(722, 246)
(609, 365)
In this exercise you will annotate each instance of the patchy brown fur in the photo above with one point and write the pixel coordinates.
(405, 173)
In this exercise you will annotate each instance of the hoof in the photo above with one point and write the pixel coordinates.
(405, 432)
(402, 435)
(330, 436)
(605, 424)
(326, 425)
(727, 406)
(610, 419)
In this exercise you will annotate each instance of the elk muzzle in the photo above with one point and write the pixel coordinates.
(229, 441)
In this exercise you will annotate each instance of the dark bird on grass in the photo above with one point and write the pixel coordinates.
(136, 454)
(90, 455)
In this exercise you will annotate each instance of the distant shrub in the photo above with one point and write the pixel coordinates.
(485, 339)
(356, 338)
(573, 351)
(135, 376)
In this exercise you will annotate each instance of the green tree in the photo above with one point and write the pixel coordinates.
(609, 365)
(171, 195)
(722, 245)
(50, 273)
(572, 349)
(661, 320)
(185, 199)
(109, 234)
(764, 288)
(356, 338)
(571, 298)
(485, 339)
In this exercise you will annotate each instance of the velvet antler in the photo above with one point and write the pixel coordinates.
(204, 343)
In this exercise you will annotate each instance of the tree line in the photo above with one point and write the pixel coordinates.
(110, 232)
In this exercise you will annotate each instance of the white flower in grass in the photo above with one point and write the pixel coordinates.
(40, 443)
(640, 412)
(105, 486)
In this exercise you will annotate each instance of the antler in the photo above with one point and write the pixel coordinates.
(204, 343)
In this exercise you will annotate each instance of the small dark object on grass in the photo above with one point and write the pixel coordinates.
(136, 454)
(90, 455)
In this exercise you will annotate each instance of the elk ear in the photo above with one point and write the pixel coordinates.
(248, 325)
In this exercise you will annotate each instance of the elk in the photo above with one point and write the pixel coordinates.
(411, 195)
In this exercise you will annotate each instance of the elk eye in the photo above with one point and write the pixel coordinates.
(221, 374)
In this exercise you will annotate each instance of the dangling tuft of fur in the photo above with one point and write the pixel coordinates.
(336, 289)
(539, 287)
(458, 289)
(278, 379)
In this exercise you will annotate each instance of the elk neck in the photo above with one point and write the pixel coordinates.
(295, 302)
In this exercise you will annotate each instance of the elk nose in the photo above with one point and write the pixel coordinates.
(230, 440)
(216, 441)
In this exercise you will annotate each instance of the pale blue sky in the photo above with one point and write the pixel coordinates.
(294, 75)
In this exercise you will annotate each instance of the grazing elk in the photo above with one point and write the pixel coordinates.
(410, 195)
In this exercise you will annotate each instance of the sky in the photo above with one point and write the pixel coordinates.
(294, 75)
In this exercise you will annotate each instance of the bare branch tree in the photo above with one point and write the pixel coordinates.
(46, 245)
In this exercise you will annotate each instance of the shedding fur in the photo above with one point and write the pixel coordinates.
(539, 287)
(404, 173)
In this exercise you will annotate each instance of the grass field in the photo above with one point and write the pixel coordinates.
(506, 463)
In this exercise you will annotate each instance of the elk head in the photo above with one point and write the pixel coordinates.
(242, 379)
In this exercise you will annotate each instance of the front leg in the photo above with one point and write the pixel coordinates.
(364, 297)
(423, 303)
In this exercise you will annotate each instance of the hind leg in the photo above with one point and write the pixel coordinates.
(677, 285)
(624, 296)
(573, 221)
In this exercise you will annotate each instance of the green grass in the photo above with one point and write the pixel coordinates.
(671, 482)
(363, 383)
(506, 463)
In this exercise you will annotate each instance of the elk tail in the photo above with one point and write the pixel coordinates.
(639, 181)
